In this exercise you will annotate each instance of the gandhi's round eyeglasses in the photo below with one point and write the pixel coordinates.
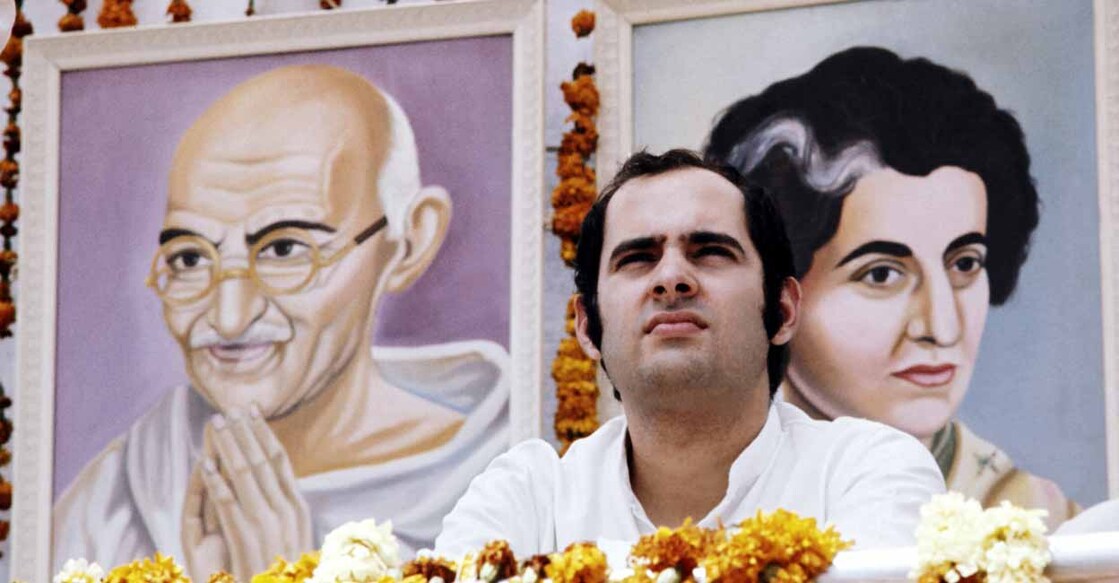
(285, 261)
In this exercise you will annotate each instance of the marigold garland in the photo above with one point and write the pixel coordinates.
(773, 547)
(681, 549)
(583, 23)
(12, 55)
(157, 569)
(575, 374)
(282, 571)
(116, 14)
(179, 11)
(72, 20)
(776, 547)
(424, 569)
(578, 563)
(576, 390)
(496, 561)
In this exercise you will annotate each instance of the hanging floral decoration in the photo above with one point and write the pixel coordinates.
(72, 20)
(12, 55)
(179, 11)
(116, 14)
(574, 373)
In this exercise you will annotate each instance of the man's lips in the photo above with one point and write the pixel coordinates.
(674, 323)
(233, 353)
(927, 375)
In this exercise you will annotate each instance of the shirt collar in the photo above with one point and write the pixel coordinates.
(744, 472)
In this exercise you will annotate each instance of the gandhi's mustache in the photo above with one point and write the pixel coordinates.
(260, 333)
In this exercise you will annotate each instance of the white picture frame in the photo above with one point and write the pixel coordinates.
(618, 23)
(47, 59)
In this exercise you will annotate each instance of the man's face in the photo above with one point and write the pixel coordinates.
(303, 167)
(680, 290)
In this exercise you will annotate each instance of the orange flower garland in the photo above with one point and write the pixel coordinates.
(682, 549)
(282, 571)
(574, 373)
(774, 547)
(116, 14)
(583, 23)
(158, 569)
(12, 55)
(72, 20)
(424, 569)
(179, 11)
(578, 563)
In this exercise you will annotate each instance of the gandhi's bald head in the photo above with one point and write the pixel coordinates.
(306, 115)
(292, 160)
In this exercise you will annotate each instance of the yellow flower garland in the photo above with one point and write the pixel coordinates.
(578, 563)
(158, 569)
(282, 571)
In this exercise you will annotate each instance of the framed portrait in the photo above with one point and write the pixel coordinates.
(428, 116)
(790, 90)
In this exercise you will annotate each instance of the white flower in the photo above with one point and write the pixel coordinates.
(79, 571)
(958, 538)
(467, 568)
(669, 575)
(951, 535)
(358, 552)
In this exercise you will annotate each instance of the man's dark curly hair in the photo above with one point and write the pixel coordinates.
(808, 139)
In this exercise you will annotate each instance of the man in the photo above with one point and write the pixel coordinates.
(687, 299)
(294, 204)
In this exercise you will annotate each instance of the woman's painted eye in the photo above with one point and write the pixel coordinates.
(882, 276)
(965, 269)
(968, 264)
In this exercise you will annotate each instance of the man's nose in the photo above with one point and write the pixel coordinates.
(674, 279)
(936, 315)
(237, 303)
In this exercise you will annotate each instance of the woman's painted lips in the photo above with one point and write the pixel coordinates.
(928, 375)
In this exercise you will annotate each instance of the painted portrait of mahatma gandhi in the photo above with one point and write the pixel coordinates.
(293, 206)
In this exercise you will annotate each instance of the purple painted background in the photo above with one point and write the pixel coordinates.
(120, 126)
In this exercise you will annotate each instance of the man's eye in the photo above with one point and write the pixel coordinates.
(187, 259)
(633, 258)
(714, 250)
(283, 249)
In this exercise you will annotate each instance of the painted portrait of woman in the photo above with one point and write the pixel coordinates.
(909, 201)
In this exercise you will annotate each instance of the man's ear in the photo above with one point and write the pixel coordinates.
(790, 311)
(426, 228)
(581, 330)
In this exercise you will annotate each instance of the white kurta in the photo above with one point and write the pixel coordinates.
(867, 479)
(127, 503)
